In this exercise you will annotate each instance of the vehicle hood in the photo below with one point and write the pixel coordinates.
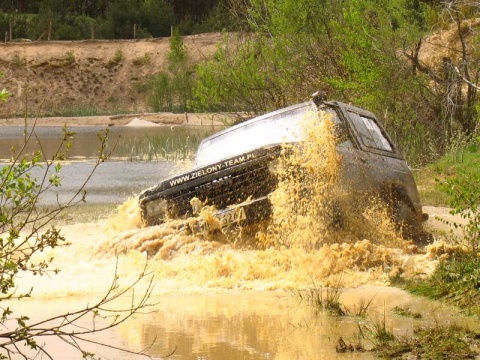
(209, 172)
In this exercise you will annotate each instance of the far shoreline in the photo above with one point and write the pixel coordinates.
(146, 119)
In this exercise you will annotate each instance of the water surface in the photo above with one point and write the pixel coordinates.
(125, 142)
(140, 158)
(214, 300)
(254, 326)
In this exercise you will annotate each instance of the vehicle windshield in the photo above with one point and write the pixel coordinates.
(284, 126)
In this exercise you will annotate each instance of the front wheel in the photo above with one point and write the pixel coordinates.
(409, 224)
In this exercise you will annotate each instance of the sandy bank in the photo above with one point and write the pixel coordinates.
(115, 120)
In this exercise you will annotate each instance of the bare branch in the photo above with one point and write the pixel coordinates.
(19, 213)
(60, 326)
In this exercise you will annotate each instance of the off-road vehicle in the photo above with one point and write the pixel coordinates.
(233, 172)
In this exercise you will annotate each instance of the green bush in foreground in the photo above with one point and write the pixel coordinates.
(3, 92)
(438, 342)
(457, 278)
(464, 199)
(26, 229)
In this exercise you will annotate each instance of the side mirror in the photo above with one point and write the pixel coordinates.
(319, 97)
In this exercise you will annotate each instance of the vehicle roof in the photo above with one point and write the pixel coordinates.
(279, 111)
(256, 119)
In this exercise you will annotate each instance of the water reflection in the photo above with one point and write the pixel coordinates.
(238, 326)
(272, 326)
(132, 143)
(112, 182)
(255, 326)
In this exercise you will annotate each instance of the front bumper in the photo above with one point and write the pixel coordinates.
(248, 212)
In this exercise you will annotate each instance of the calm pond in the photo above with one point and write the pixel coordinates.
(213, 300)
(139, 157)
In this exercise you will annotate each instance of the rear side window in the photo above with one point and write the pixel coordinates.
(370, 133)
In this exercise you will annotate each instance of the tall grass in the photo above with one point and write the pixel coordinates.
(460, 159)
(162, 146)
(321, 298)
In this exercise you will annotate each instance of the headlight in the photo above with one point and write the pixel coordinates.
(154, 211)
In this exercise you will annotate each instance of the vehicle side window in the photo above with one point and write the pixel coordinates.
(370, 133)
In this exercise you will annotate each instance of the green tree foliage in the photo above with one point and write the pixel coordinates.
(152, 18)
(194, 9)
(22, 24)
(360, 51)
(244, 78)
(463, 192)
(157, 17)
(171, 89)
(372, 71)
(91, 8)
(285, 60)
(111, 18)
(220, 19)
(3, 93)
(56, 18)
(64, 24)
(458, 78)
(121, 18)
(19, 6)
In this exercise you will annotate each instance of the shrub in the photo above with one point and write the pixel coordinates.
(464, 199)
(171, 89)
(19, 61)
(144, 60)
(27, 229)
(70, 57)
(117, 58)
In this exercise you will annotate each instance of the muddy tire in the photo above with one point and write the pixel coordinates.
(408, 224)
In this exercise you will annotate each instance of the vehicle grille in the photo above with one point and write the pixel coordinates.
(235, 187)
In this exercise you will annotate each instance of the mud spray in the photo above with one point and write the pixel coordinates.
(305, 241)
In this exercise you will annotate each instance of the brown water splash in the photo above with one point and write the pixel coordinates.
(307, 173)
(316, 232)
(311, 207)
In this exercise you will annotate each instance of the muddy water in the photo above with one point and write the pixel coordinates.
(225, 302)
(228, 296)
(247, 325)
